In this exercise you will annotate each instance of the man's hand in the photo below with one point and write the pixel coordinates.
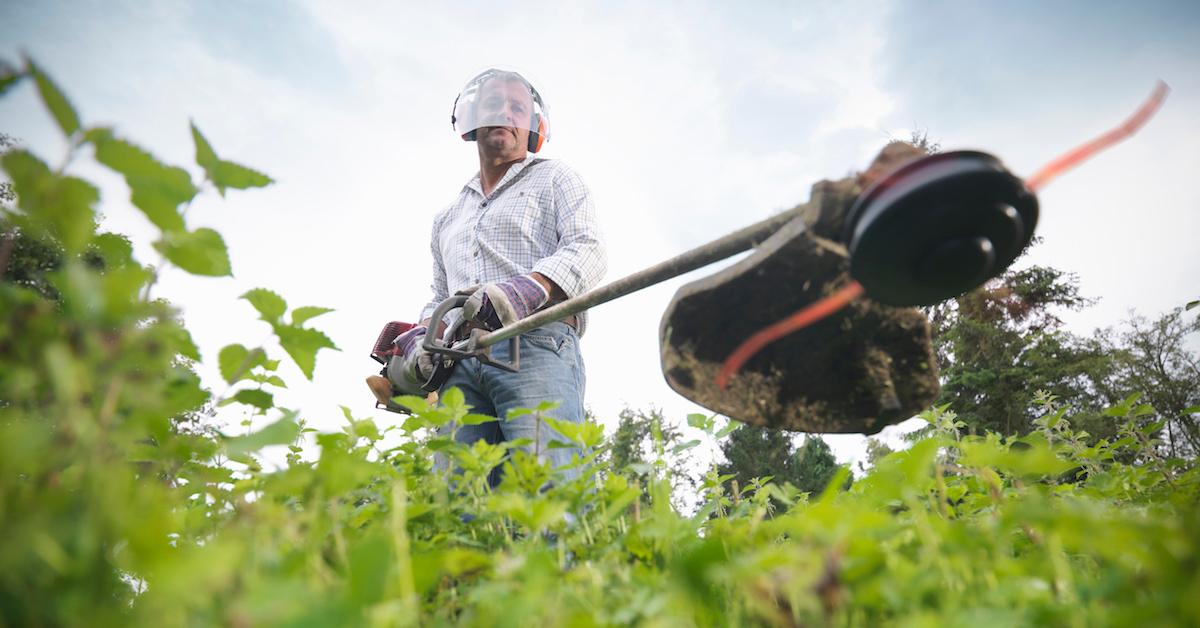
(496, 305)
(415, 365)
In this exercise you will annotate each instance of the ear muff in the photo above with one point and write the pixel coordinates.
(537, 138)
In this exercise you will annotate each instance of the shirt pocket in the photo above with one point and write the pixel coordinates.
(522, 226)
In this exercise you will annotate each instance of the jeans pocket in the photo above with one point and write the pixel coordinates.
(550, 343)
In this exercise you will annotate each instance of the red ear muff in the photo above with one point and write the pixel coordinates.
(537, 138)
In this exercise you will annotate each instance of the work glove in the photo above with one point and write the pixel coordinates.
(495, 305)
(412, 366)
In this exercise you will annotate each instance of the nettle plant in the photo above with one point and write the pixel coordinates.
(119, 505)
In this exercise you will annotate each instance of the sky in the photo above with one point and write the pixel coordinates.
(687, 120)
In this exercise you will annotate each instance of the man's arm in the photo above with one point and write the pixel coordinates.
(438, 285)
(580, 261)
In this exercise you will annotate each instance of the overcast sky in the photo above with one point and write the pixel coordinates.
(687, 120)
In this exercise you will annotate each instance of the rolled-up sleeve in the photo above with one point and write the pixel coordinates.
(580, 261)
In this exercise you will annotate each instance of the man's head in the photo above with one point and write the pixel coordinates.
(503, 112)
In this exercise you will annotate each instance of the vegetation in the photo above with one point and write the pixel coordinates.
(116, 508)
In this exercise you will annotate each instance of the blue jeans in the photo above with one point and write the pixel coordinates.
(551, 369)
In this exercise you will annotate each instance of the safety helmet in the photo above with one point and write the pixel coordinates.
(499, 97)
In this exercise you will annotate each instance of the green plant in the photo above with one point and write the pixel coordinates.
(118, 506)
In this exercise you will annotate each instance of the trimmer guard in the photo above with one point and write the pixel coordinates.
(865, 367)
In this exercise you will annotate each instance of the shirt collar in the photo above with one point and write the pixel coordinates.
(475, 184)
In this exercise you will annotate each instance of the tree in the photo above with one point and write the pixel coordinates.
(1001, 343)
(757, 452)
(1153, 360)
(876, 450)
(813, 466)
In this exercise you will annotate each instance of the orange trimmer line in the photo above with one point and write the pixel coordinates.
(797, 321)
(852, 290)
(1082, 153)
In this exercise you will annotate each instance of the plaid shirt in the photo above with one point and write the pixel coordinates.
(537, 221)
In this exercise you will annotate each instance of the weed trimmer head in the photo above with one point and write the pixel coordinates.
(924, 229)
(864, 367)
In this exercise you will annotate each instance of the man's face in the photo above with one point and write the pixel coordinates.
(505, 110)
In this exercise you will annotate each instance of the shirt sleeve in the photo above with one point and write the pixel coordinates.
(438, 285)
(580, 261)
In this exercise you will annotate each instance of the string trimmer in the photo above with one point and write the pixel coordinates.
(912, 230)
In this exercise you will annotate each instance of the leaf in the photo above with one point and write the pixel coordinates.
(475, 419)
(302, 314)
(700, 421)
(184, 343)
(237, 361)
(53, 205)
(238, 177)
(682, 447)
(225, 174)
(156, 189)
(1186, 308)
(729, 429)
(260, 399)
(302, 344)
(199, 252)
(281, 432)
(270, 306)
(8, 77)
(206, 158)
(64, 114)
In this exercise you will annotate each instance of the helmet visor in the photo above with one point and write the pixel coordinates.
(498, 98)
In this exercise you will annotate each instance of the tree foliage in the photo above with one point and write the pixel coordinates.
(754, 452)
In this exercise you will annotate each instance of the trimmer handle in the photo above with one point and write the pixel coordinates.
(468, 348)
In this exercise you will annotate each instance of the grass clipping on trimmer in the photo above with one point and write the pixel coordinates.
(858, 370)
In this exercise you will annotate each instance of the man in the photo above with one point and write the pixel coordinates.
(522, 234)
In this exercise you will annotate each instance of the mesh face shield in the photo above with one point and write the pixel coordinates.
(501, 98)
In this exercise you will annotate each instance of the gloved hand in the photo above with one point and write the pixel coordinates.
(413, 365)
(495, 305)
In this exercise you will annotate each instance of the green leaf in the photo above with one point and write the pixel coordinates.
(302, 344)
(260, 399)
(225, 174)
(116, 249)
(281, 432)
(728, 429)
(1191, 304)
(585, 433)
(58, 206)
(199, 252)
(184, 343)
(700, 421)
(64, 114)
(9, 77)
(238, 177)
(237, 361)
(270, 306)
(475, 419)
(273, 380)
(682, 447)
(206, 158)
(156, 189)
(302, 314)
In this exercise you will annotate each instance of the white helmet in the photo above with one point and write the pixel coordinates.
(501, 98)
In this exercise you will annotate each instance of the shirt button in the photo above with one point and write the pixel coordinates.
(476, 253)
(483, 204)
